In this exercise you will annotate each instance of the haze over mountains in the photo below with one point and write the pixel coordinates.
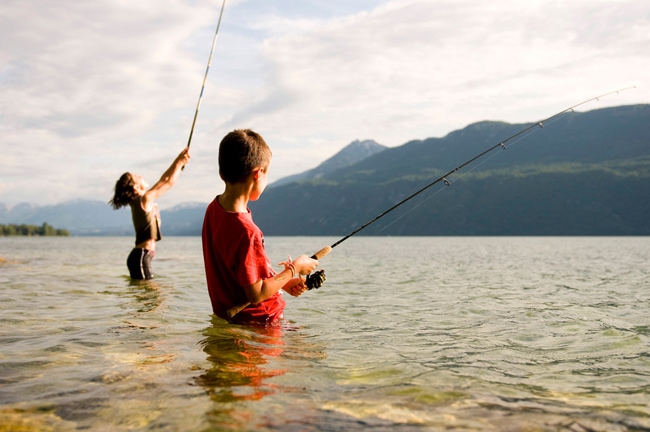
(354, 152)
(583, 174)
(90, 217)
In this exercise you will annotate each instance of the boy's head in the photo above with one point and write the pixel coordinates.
(240, 152)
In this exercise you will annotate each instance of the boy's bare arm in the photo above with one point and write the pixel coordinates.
(263, 289)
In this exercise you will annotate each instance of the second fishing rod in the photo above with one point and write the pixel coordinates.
(316, 279)
(205, 76)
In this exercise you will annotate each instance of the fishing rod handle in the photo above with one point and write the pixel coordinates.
(240, 307)
(321, 253)
(236, 309)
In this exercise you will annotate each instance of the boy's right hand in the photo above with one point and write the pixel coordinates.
(305, 265)
(295, 286)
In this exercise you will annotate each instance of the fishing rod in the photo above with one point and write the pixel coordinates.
(316, 279)
(205, 77)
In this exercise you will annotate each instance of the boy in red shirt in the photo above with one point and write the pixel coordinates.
(237, 268)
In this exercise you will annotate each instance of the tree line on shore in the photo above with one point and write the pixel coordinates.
(32, 230)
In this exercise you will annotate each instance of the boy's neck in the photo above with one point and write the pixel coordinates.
(234, 199)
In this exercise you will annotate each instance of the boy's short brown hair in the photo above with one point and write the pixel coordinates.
(240, 152)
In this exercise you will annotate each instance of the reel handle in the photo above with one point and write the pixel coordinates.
(240, 307)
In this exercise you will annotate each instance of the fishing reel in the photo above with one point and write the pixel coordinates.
(316, 279)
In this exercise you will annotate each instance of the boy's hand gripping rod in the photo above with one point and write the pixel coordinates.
(314, 280)
(318, 277)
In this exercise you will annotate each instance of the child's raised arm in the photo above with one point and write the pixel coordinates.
(168, 179)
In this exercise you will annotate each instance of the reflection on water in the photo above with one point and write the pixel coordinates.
(147, 294)
(253, 371)
(422, 334)
(238, 372)
(240, 358)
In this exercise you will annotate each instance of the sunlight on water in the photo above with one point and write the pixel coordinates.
(406, 334)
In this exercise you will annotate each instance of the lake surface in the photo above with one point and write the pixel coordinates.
(407, 334)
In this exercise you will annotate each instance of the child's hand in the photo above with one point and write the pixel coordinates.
(184, 156)
(295, 286)
(305, 265)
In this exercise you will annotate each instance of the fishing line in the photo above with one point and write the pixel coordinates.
(205, 77)
(460, 176)
(443, 178)
(316, 279)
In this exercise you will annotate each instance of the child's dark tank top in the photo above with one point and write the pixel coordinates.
(146, 224)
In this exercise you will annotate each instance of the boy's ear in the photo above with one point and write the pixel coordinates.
(256, 173)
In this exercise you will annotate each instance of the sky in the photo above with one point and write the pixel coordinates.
(90, 90)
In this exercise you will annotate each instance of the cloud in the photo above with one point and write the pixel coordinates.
(416, 67)
(89, 90)
(84, 83)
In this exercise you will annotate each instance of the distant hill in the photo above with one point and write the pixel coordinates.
(80, 217)
(88, 217)
(584, 174)
(354, 152)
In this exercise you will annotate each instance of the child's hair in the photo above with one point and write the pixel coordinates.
(240, 152)
(124, 191)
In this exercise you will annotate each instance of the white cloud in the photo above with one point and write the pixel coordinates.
(89, 90)
(413, 69)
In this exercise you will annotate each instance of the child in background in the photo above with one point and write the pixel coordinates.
(237, 268)
(131, 190)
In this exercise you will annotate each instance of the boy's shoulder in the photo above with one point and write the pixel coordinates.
(230, 220)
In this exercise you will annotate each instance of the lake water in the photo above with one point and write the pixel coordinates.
(407, 334)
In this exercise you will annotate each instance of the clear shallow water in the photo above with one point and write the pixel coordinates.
(406, 334)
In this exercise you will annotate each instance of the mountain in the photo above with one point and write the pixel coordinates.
(89, 217)
(582, 174)
(80, 217)
(352, 153)
(184, 219)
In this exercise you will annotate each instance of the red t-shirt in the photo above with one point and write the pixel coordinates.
(234, 257)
